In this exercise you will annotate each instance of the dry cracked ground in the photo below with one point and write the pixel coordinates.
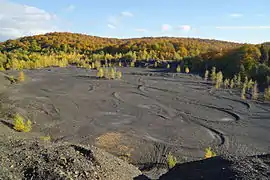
(142, 117)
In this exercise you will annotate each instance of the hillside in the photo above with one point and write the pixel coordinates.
(69, 42)
(62, 49)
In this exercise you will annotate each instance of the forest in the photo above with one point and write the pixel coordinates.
(199, 55)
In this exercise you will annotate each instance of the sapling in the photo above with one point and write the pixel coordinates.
(213, 74)
(232, 83)
(219, 79)
(206, 74)
(187, 70)
(178, 69)
(255, 90)
(226, 83)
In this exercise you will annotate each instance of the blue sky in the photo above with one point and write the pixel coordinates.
(232, 20)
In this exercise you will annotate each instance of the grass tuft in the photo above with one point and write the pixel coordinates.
(171, 160)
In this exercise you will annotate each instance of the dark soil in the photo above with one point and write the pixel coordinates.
(140, 118)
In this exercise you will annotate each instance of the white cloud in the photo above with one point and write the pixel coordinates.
(111, 26)
(166, 27)
(141, 30)
(70, 8)
(21, 20)
(236, 15)
(116, 20)
(126, 13)
(243, 27)
(185, 28)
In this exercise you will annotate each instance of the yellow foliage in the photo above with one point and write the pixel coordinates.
(187, 70)
(111, 73)
(21, 77)
(21, 125)
(171, 160)
(132, 64)
(100, 73)
(168, 66)
(118, 74)
(178, 69)
(209, 153)
(120, 64)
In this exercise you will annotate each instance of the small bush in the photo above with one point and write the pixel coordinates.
(168, 66)
(111, 73)
(20, 124)
(209, 153)
(21, 76)
(97, 64)
(156, 64)
(11, 79)
(232, 83)
(178, 69)
(120, 64)
(213, 74)
(206, 75)
(132, 64)
(243, 91)
(219, 79)
(171, 160)
(238, 81)
(187, 70)
(100, 73)
(226, 83)
(118, 74)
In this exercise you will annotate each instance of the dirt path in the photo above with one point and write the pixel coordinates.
(145, 108)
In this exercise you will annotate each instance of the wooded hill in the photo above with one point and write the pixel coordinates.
(198, 54)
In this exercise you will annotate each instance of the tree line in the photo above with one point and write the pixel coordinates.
(61, 49)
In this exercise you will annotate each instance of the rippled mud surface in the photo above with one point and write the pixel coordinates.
(143, 113)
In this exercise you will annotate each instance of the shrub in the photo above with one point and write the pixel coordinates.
(21, 76)
(178, 69)
(168, 66)
(171, 160)
(238, 82)
(97, 64)
(187, 70)
(226, 83)
(132, 64)
(232, 83)
(118, 74)
(20, 124)
(11, 79)
(100, 73)
(209, 153)
(156, 64)
(219, 79)
(243, 91)
(213, 74)
(267, 94)
(111, 73)
(206, 75)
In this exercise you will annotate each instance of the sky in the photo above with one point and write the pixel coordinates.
(246, 21)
